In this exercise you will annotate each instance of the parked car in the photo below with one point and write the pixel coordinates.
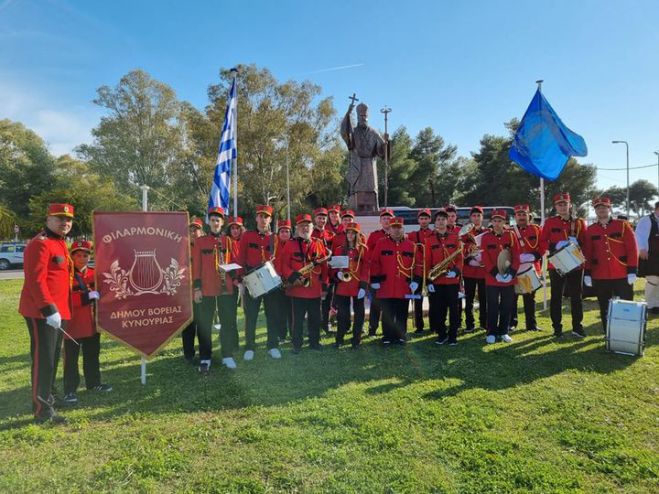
(11, 255)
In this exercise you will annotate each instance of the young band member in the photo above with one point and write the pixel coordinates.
(304, 267)
(528, 236)
(321, 232)
(499, 286)
(557, 232)
(351, 285)
(284, 315)
(452, 212)
(45, 304)
(419, 237)
(215, 291)
(82, 328)
(334, 225)
(347, 217)
(257, 248)
(611, 257)
(393, 278)
(474, 272)
(374, 314)
(647, 238)
(442, 248)
(189, 334)
(236, 228)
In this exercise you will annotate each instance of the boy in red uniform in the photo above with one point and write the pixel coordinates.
(283, 314)
(393, 279)
(320, 231)
(351, 284)
(442, 290)
(611, 257)
(474, 272)
(373, 237)
(82, 327)
(189, 334)
(45, 304)
(499, 287)
(305, 289)
(419, 237)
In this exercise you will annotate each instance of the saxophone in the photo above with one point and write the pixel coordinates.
(305, 281)
(218, 263)
(441, 268)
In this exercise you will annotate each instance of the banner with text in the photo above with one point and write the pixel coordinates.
(144, 278)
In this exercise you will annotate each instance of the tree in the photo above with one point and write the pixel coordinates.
(140, 140)
(641, 193)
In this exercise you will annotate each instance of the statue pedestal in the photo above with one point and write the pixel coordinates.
(363, 202)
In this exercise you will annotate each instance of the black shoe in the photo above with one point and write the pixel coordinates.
(420, 331)
(354, 346)
(558, 334)
(579, 333)
(189, 360)
(338, 344)
(470, 330)
(296, 350)
(70, 399)
(204, 369)
(386, 341)
(400, 341)
(103, 388)
(441, 341)
(317, 346)
(512, 328)
(452, 342)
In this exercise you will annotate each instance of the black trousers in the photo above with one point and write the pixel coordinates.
(418, 310)
(444, 300)
(225, 306)
(500, 300)
(91, 349)
(309, 307)
(394, 318)
(283, 313)
(374, 313)
(607, 289)
(571, 285)
(470, 285)
(325, 306)
(343, 318)
(529, 311)
(252, 307)
(189, 334)
(45, 345)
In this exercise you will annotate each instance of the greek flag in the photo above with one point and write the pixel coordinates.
(227, 152)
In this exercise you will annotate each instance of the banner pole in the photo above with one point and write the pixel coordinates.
(544, 257)
(235, 161)
(145, 208)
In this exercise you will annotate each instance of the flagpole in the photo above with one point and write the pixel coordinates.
(145, 208)
(542, 224)
(234, 164)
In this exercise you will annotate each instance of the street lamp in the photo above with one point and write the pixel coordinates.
(627, 146)
(281, 143)
(657, 153)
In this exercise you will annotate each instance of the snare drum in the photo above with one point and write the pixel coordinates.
(528, 281)
(567, 259)
(625, 327)
(262, 280)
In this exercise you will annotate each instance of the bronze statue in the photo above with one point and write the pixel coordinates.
(365, 145)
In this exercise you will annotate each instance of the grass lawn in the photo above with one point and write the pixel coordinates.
(536, 415)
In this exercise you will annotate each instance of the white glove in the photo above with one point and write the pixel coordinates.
(573, 240)
(431, 288)
(413, 286)
(631, 278)
(94, 295)
(503, 278)
(339, 276)
(561, 244)
(451, 274)
(526, 258)
(588, 281)
(361, 293)
(507, 278)
(375, 286)
(54, 320)
(479, 258)
(474, 263)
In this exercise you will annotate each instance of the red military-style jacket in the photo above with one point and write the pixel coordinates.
(373, 238)
(492, 244)
(392, 265)
(438, 247)
(325, 235)
(477, 272)
(298, 253)
(340, 239)
(530, 242)
(48, 272)
(210, 251)
(557, 229)
(83, 323)
(611, 251)
(335, 229)
(419, 236)
(279, 249)
(359, 268)
(255, 249)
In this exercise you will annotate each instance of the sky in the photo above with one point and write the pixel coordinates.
(462, 68)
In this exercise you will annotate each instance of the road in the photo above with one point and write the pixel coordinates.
(11, 274)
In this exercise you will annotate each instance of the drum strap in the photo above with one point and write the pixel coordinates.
(519, 235)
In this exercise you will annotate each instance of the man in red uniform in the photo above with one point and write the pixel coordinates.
(256, 248)
(419, 237)
(322, 233)
(304, 267)
(82, 327)
(215, 291)
(557, 232)
(283, 314)
(393, 279)
(474, 272)
(442, 289)
(46, 304)
(334, 223)
(611, 257)
(189, 334)
(452, 212)
(499, 286)
(351, 285)
(528, 236)
(374, 313)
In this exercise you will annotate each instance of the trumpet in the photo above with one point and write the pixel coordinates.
(475, 241)
(345, 276)
(305, 270)
(441, 268)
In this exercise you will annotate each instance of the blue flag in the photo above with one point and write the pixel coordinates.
(542, 143)
(227, 152)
